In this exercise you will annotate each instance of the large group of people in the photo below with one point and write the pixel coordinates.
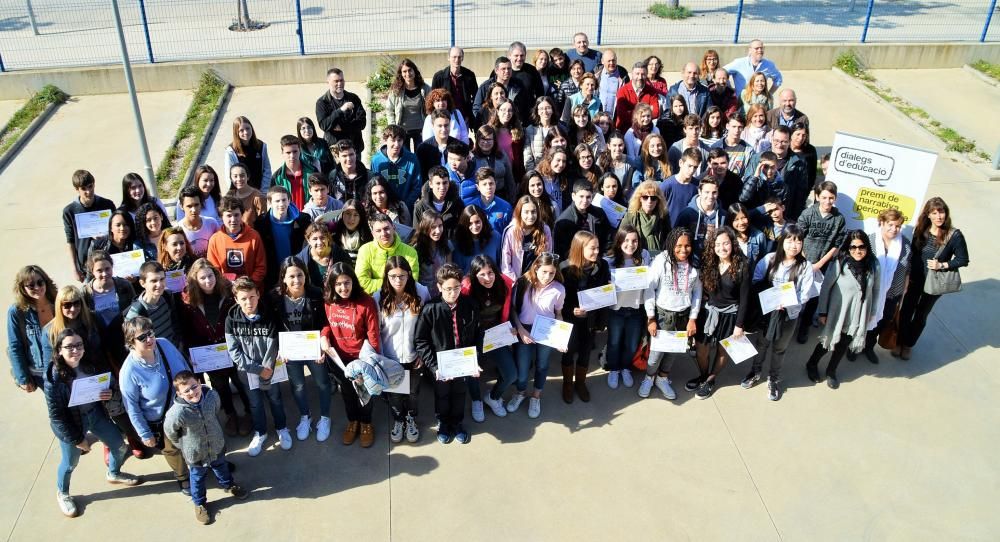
(505, 203)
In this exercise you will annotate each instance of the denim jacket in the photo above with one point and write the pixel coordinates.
(25, 349)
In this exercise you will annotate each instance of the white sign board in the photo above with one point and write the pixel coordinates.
(873, 175)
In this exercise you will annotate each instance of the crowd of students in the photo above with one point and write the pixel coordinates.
(484, 205)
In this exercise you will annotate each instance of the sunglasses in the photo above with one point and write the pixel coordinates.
(143, 337)
(33, 285)
(858, 247)
(552, 255)
(648, 198)
(71, 304)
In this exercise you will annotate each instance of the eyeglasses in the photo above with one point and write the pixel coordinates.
(34, 285)
(71, 304)
(143, 337)
(451, 290)
(858, 247)
(397, 277)
(74, 347)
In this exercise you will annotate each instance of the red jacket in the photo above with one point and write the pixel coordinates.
(627, 99)
(349, 324)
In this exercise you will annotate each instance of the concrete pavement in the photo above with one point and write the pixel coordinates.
(902, 451)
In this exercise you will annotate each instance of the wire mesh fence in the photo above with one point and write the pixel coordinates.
(37, 34)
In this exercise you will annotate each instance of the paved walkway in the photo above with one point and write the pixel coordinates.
(903, 450)
(934, 92)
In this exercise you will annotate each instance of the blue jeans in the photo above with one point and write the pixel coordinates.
(297, 378)
(220, 467)
(625, 328)
(525, 354)
(97, 422)
(503, 358)
(273, 394)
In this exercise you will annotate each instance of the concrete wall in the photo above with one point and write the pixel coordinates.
(357, 66)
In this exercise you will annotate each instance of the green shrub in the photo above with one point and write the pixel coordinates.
(665, 11)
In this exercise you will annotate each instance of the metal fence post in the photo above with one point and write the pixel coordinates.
(298, 17)
(145, 29)
(739, 18)
(452, 11)
(989, 17)
(31, 17)
(2, 68)
(868, 20)
(600, 20)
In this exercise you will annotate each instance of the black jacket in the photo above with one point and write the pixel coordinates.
(467, 87)
(435, 331)
(313, 312)
(351, 124)
(66, 421)
(566, 228)
(263, 227)
(343, 188)
(599, 275)
(429, 156)
(453, 206)
(523, 101)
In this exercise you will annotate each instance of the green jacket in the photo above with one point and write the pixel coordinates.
(372, 258)
(280, 177)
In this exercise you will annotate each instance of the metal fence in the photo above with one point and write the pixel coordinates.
(37, 34)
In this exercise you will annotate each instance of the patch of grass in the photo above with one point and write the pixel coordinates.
(188, 139)
(19, 122)
(665, 11)
(849, 63)
(989, 68)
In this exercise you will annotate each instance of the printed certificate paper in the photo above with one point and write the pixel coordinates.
(457, 363)
(781, 295)
(299, 345)
(631, 278)
(739, 350)
(675, 342)
(88, 390)
(498, 337)
(279, 375)
(127, 264)
(176, 280)
(210, 358)
(551, 332)
(598, 298)
(92, 224)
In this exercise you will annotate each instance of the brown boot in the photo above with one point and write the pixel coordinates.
(581, 384)
(367, 435)
(567, 391)
(351, 433)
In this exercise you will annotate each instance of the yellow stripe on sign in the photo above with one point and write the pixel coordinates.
(312, 336)
(608, 288)
(220, 347)
(103, 378)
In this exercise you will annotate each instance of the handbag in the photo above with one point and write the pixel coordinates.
(888, 337)
(640, 360)
(940, 282)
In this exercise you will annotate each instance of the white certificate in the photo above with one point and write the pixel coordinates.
(675, 342)
(551, 332)
(88, 389)
(92, 224)
(631, 278)
(176, 281)
(328, 217)
(614, 210)
(299, 345)
(404, 231)
(403, 387)
(498, 337)
(127, 264)
(279, 375)
(457, 363)
(210, 358)
(782, 295)
(738, 349)
(598, 298)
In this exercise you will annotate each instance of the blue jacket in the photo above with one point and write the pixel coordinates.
(147, 393)
(492, 249)
(757, 246)
(701, 96)
(403, 174)
(498, 212)
(25, 346)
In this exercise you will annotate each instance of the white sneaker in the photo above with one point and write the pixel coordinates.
(285, 439)
(412, 433)
(627, 379)
(515, 401)
(613, 379)
(322, 429)
(256, 444)
(478, 415)
(495, 405)
(302, 430)
(66, 504)
(663, 384)
(535, 407)
(645, 386)
(396, 434)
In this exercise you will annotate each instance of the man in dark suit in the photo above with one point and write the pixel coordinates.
(693, 92)
(459, 81)
(786, 114)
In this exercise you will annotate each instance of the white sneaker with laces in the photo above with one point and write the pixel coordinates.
(645, 386)
(663, 384)
(285, 439)
(515, 402)
(256, 444)
(496, 405)
(303, 428)
(613, 379)
(535, 407)
(66, 504)
(478, 415)
(396, 434)
(323, 429)
(627, 380)
(412, 433)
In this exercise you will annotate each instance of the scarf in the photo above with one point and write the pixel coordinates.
(888, 260)
(640, 133)
(857, 269)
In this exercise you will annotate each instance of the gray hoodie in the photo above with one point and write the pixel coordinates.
(195, 429)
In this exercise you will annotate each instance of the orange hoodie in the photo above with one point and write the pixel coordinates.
(241, 256)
